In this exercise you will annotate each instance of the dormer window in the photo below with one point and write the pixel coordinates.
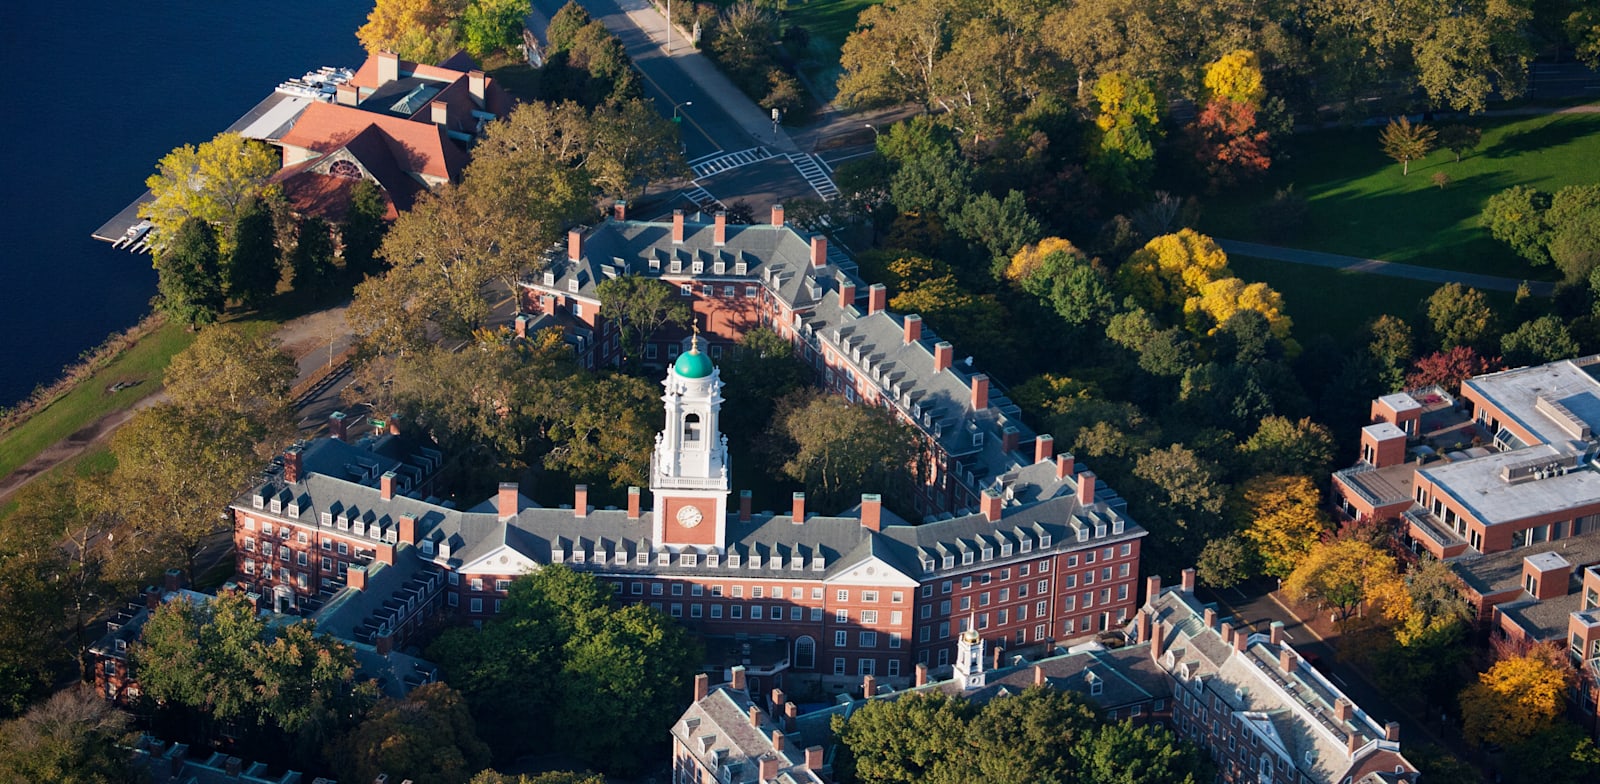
(643, 559)
(572, 285)
(1044, 541)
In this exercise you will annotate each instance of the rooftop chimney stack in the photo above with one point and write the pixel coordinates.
(633, 503)
(1286, 660)
(980, 392)
(293, 464)
(869, 686)
(478, 86)
(506, 500)
(441, 113)
(1144, 625)
(1038, 675)
(1341, 709)
(847, 292)
(355, 577)
(1010, 438)
(877, 298)
(1044, 447)
(913, 325)
(799, 510)
(777, 215)
(1086, 488)
(337, 427)
(347, 94)
(1391, 732)
(1210, 618)
(791, 716)
(778, 701)
(736, 678)
(1241, 640)
(677, 227)
(580, 501)
(720, 235)
(755, 717)
(921, 677)
(872, 511)
(408, 530)
(819, 251)
(388, 67)
(1227, 632)
(1276, 630)
(943, 355)
(813, 758)
(746, 504)
(1188, 580)
(702, 686)
(777, 741)
(769, 767)
(386, 486)
(1152, 587)
(1064, 466)
(575, 245)
(522, 321)
(992, 503)
(619, 210)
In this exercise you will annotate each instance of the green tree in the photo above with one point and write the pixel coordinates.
(252, 270)
(1405, 142)
(1284, 446)
(1226, 562)
(641, 306)
(213, 182)
(632, 146)
(916, 739)
(1121, 753)
(311, 261)
(72, 738)
(564, 26)
(361, 232)
(1471, 51)
(31, 615)
(489, 26)
(1460, 139)
(840, 450)
(1031, 736)
(227, 373)
(1435, 601)
(1391, 348)
(1001, 226)
(599, 419)
(1516, 216)
(189, 275)
(1128, 127)
(1562, 753)
(429, 736)
(1460, 316)
(1574, 220)
(764, 368)
(1544, 339)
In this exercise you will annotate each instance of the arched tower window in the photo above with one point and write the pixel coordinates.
(691, 428)
(345, 169)
(805, 653)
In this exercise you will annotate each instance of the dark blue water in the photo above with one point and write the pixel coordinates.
(97, 92)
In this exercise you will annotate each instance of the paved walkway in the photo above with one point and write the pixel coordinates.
(1377, 267)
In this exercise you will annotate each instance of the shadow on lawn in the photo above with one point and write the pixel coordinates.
(1555, 133)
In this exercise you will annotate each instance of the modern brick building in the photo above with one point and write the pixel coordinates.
(1249, 700)
(740, 277)
(1501, 465)
(1049, 556)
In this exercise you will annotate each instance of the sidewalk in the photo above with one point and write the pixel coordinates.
(1378, 267)
(647, 20)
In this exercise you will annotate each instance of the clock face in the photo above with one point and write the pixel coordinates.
(689, 516)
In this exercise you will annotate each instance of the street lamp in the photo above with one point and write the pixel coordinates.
(874, 131)
(669, 27)
(676, 107)
(683, 146)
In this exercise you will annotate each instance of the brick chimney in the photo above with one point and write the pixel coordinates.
(1152, 587)
(745, 506)
(506, 500)
(1158, 634)
(1341, 709)
(677, 227)
(1086, 486)
(1276, 630)
(386, 486)
(872, 511)
(347, 94)
(991, 503)
(634, 502)
(293, 464)
(477, 86)
(1227, 632)
(778, 701)
(777, 741)
(152, 597)
(522, 321)
(1044, 448)
(575, 245)
(1038, 675)
(877, 298)
(388, 67)
(847, 292)
(1241, 640)
(384, 644)
(791, 716)
(1391, 731)
(769, 767)
(441, 113)
(1188, 580)
(172, 579)
(719, 236)
(943, 355)
(580, 501)
(1210, 617)
(337, 425)
(819, 251)
(921, 676)
(799, 510)
(408, 530)
(702, 686)
(1143, 625)
(996, 658)
(619, 209)
(1286, 659)
(777, 215)
(813, 758)
(980, 392)
(1352, 742)
(913, 327)
(869, 686)
(1010, 438)
(1064, 466)
(736, 678)
(755, 716)
(356, 577)
(232, 766)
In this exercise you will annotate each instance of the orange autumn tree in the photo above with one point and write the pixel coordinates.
(1283, 518)
(1345, 574)
(1227, 140)
(1519, 696)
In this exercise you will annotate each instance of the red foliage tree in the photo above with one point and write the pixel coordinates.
(1448, 369)
(1228, 144)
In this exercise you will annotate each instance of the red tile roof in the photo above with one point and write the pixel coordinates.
(417, 146)
(455, 69)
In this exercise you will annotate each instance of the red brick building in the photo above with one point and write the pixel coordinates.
(1050, 555)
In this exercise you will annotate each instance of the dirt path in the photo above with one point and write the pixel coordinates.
(306, 338)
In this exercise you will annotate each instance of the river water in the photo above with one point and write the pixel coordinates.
(99, 92)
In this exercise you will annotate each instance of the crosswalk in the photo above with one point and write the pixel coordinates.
(811, 168)
(719, 162)
(703, 199)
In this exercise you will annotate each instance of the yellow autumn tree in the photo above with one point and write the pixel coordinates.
(1236, 76)
(1516, 698)
(1028, 260)
(1282, 516)
(1219, 300)
(1171, 268)
(213, 181)
(416, 29)
(1346, 575)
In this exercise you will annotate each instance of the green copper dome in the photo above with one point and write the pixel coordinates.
(693, 364)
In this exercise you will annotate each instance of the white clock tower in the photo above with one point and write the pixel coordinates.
(689, 469)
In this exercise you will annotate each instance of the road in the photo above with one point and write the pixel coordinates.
(1377, 267)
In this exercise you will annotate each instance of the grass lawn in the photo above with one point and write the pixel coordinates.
(1361, 205)
(141, 365)
(829, 22)
(1342, 304)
